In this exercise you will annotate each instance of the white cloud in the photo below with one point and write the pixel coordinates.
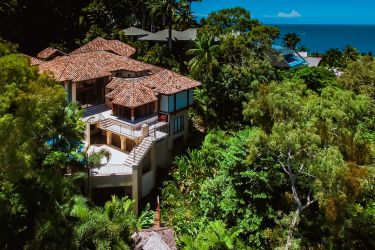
(292, 14)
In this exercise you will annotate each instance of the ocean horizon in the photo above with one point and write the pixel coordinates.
(321, 37)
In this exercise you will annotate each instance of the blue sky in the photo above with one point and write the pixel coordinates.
(298, 11)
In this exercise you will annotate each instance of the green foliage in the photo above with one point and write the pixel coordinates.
(316, 78)
(204, 55)
(159, 55)
(333, 58)
(359, 77)
(226, 21)
(220, 100)
(107, 228)
(7, 48)
(291, 40)
(303, 179)
(214, 236)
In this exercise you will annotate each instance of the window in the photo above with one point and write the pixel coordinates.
(178, 124)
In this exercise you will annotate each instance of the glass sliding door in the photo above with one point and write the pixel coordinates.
(91, 93)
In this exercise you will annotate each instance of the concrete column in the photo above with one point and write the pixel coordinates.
(186, 127)
(109, 138)
(156, 106)
(144, 130)
(123, 143)
(66, 87)
(137, 187)
(74, 92)
(132, 114)
(87, 134)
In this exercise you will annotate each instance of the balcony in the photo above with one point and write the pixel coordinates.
(100, 114)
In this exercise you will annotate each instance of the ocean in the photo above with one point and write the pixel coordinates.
(320, 38)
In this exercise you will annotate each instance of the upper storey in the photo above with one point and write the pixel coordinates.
(79, 67)
(102, 72)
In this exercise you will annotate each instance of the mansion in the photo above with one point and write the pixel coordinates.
(135, 110)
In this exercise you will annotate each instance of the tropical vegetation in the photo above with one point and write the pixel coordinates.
(286, 158)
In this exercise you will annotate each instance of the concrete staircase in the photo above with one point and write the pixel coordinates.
(138, 152)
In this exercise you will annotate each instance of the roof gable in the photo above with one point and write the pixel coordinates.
(101, 44)
(130, 93)
(49, 53)
(90, 65)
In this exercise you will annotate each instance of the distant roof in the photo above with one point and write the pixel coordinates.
(155, 239)
(49, 53)
(90, 65)
(101, 44)
(187, 35)
(133, 31)
(282, 50)
(129, 93)
(313, 61)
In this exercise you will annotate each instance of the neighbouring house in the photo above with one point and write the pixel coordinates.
(135, 110)
(134, 33)
(163, 35)
(155, 238)
(286, 58)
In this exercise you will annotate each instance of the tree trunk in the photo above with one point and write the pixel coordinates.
(163, 18)
(291, 229)
(143, 18)
(152, 23)
(170, 32)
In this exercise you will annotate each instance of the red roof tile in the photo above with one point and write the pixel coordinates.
(91, 65)
(49, 53)
(167, 82)
(130, 93)
(101, 44)
(33, 60)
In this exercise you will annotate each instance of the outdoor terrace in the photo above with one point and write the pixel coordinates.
(131, 129)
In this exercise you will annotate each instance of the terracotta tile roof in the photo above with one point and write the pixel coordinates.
(90, 65)
(168, 82)
(130, 93)
(101, 44)
(33, 60)
(49, 53)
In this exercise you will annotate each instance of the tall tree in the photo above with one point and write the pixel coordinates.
(205, 55)
(291, 40)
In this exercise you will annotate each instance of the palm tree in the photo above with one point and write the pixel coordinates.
(184, 17)
(290, 40)
(94, 160)
(333, 58)
(205, 55)
(167, 8)
(108, 227)
(214, 237)
(351, 53)
(156, 8)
